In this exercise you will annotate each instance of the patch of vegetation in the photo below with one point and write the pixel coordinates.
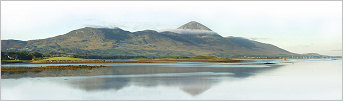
(199, 57)
(68, 67)
(170, 57)
(11, 60)
(64, 58)
(204, 57)
(88, 56)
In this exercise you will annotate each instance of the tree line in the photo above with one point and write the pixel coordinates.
(21, 55)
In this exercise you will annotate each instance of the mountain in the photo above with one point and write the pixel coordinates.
(193, 25)
(199, 40)
(312, 54)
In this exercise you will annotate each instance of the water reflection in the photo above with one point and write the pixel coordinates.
(193, 83)
(193, 78)
(305, 80)
(99, 84)
(241, 71)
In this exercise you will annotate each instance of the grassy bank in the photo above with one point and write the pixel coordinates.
(64, 58)
(45, 68)
(13, 61)
(44, 59)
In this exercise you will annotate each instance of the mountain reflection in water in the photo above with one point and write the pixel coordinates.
(125, 69)
(193, 83)
(309, 79)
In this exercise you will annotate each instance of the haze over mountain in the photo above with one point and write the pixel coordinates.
(190, 39)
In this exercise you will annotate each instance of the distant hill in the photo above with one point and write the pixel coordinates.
(115, 41)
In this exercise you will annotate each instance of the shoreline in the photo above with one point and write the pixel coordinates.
(83, 61)
(124, 61)
(73, 67)
(49, 68)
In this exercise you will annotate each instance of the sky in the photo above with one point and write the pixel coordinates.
(297, 26)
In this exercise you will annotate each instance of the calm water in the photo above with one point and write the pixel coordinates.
(295, 80)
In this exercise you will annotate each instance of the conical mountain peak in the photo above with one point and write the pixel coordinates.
(193, 25)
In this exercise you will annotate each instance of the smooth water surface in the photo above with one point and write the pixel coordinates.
(299, 80)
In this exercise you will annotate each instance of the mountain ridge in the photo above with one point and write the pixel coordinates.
(116, 41)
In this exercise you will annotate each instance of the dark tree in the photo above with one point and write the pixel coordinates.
(37, 55)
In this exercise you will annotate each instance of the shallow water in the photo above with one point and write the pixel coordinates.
(300, 80)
